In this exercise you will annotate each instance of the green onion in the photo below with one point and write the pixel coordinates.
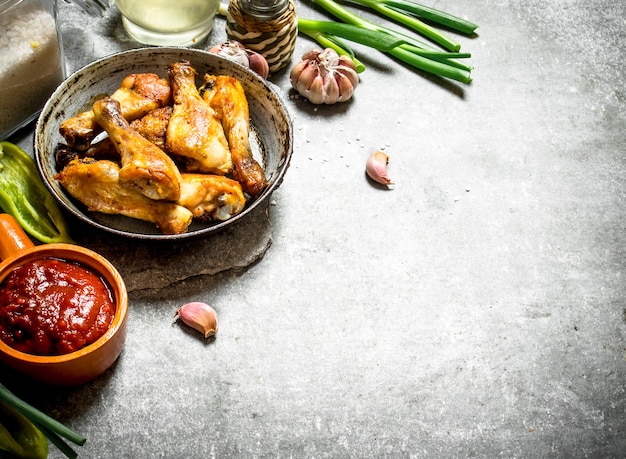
(378, 40)
(331, 41)
(57, 441)
(420, 11)
(51, 428)
(403, 47)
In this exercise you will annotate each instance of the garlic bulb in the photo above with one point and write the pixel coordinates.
(232, 50)
(376, 168)
(324, 77)
(237, 52)
(199, 316)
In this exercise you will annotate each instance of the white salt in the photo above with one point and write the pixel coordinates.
(30, 65)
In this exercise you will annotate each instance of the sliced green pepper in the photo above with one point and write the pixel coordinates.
(23, 195)
(19, 436)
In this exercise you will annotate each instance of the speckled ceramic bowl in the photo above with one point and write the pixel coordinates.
(271, 128)
(92, 360)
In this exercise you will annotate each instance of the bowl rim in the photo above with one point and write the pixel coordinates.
(214, 227)
(119, 291)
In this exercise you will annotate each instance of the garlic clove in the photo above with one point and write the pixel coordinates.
(302, 76)
(345, 86)
(258, 63)
(376, 168)
(348, 69)
(199, 316)
(315, 93)
(331, 89)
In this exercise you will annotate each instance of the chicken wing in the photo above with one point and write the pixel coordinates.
(211, 197)
(195, 135)
(227, 97)
(138, 94)
(145, 166)
(96, 184)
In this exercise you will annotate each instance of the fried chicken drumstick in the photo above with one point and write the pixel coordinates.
(211, 197)
(227, 97)
(96, 184)
(145, 166)
(138, 94)
(194, 134)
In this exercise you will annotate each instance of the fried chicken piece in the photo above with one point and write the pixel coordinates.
(138, 94)
(104, 149)
(145, 167)
(227, 97)
(211, 197)
(96, 184)
(195, 135)
(153, 126)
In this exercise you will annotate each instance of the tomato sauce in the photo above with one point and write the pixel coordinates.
(54, 307)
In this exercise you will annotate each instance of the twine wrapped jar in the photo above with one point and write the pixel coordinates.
(269, 27)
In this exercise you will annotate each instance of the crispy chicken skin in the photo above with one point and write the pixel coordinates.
(227, 97)
(96, 184)
(211, 197)
(195, 135)
(138, 94)
(145, 167)
(153, 126)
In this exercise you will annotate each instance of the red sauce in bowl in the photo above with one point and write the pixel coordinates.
(54, 307)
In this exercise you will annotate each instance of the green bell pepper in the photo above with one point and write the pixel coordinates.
(24, 196)
(19, 436)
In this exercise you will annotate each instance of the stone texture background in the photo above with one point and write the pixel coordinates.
(475, 310)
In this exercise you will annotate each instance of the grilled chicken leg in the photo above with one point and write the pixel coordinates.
(211, 197)
(138, 94)
(145, 166)
(194, 134)
(96, 184)
(227, 97)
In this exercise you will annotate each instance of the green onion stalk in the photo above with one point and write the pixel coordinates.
(416, 53)
(31, 421)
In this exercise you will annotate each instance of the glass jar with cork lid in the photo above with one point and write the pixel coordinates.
(269, 27)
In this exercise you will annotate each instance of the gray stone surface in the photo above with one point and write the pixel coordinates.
(477, 309)
(156, 265)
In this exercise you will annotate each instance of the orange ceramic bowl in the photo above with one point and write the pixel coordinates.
(92, 360)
